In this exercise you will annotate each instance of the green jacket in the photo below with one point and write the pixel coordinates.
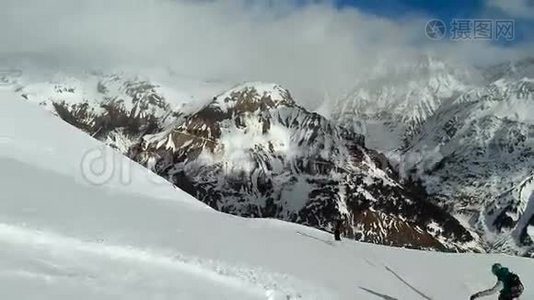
(503, 285)
(504, 276)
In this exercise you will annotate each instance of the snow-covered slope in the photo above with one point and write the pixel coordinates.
(117, 107)
(394, 101)
(251, 151)
(63, 238)
(512, 213)
(476, 154)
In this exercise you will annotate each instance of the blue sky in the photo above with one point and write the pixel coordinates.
(445, 10)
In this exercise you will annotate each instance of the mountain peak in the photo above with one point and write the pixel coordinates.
(250, 96)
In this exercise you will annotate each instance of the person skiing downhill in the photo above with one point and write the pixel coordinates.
(508, 285)
(338, 229)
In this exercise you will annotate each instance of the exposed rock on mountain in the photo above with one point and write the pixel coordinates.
(474, 151)
(471, 147)
(254, 152)
(115, 109)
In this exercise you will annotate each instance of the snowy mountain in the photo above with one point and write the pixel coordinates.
(512, 213)
(471, 147)
(475, 156)
(252, 151)
(394, 101)
(63, 238)
(114, 108)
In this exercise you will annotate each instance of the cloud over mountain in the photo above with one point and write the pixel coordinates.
(316, 50)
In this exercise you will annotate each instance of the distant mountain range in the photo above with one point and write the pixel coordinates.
(423, 154)
(467, 136)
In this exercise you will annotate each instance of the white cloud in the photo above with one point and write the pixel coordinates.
(312, 50)
(515, 8)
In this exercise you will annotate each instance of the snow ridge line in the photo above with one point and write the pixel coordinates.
(254, 281)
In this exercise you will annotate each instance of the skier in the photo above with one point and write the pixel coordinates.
(508, 284)
(337, 230)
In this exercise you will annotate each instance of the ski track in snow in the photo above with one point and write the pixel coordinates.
(249, 283)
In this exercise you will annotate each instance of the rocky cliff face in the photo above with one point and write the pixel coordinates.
(254, 152)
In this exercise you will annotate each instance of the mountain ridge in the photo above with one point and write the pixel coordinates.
(470, 150)
(252, 151)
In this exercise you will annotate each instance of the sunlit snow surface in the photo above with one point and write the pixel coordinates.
(135, 237)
